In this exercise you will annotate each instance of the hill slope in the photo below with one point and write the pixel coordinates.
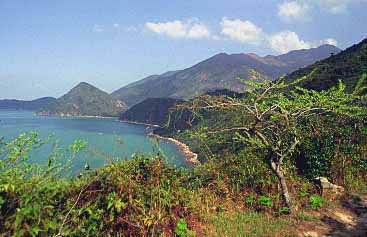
(27, 105)
(85, 100)
(150, 111)
(347, 66)
(219, 72)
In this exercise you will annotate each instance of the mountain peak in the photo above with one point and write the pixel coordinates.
(85, 84)
(84, 87)
(330, 46)
(86, 99)
(219, 72)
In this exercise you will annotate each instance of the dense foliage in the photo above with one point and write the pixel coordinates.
(280, 125)
(150, 111)
(139, 197)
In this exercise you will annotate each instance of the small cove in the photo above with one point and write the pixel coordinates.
(108, 139)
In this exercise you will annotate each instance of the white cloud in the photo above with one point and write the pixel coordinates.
(285, 41)
(175, 29)
(242, 31)
(191, 28)
(330, 41)
(282, 42)
(198, 31)
(289, 11)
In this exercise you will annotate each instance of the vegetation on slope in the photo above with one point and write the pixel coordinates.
(347, 66)
(140, 197)
(261, 149)
(85, 100)
(150, 111)
(145, 196)
(219, 72)
(275, 123)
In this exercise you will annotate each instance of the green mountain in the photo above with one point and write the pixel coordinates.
(156, 111)
(218, 72)
(32, 105)
(85, 100)
(150, 111)
(347, 66)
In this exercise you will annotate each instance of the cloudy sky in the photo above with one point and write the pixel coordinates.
(47, 47)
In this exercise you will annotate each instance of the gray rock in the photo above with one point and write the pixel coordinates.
(326, 186)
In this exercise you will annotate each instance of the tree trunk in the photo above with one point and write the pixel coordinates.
(284, 188)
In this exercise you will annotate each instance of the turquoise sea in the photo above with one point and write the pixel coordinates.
(108, 139)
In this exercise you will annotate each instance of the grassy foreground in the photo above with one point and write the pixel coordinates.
(144, 196)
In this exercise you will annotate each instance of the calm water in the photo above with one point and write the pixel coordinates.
(107, 138)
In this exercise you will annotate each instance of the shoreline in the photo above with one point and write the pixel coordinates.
(139, 123)
(191, 157)
(72, 116)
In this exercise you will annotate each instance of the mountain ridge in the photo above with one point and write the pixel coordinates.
(32, 105)
(347, 66)
(219, 72)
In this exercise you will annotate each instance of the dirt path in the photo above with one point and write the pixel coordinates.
(348, 220)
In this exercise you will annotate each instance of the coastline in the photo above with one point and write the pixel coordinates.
(46, 114)
(191, 157)
(139, 123)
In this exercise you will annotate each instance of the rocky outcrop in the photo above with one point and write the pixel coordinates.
(191, 157)
(328, 187)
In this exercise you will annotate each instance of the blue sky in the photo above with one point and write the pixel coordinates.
(47, 47)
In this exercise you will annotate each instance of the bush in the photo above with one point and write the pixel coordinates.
(182, 230)
(142, 196)
(316, 201)
(265, 201)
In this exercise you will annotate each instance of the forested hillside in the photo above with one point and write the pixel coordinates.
(151, 111)
(85, 100)
(219, 72)
(347, 66)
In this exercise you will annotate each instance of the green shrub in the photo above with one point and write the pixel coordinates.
(250, 200)
(265, 201)
(136, 197)
(182, 230)
(316, 201)
(283, 210)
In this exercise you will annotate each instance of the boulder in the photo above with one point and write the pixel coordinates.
(328, 187)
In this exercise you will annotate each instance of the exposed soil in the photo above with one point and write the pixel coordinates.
(346, 220)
